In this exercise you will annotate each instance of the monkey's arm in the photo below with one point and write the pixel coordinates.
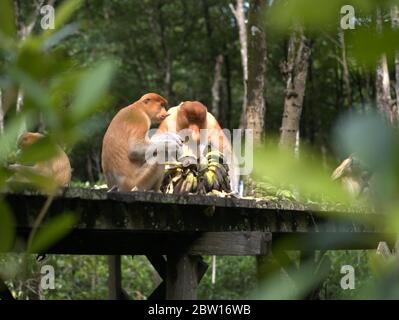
(137, 150)
(158, 142)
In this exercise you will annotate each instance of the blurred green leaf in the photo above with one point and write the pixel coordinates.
(55, 229)
(42, 150)
(306, 174)
(7, 18)
(376, 150)
(7, 228)
(9, 138)
(91, 90)
(65, 11)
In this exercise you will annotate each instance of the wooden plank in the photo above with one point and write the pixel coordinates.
(231, 244)
(182, 277)
(187, 213)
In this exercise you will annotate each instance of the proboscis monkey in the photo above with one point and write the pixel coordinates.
(194, 116)
(57, 168)
(354, 176)
(126, 143)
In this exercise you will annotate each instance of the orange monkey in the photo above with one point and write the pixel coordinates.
(194, 116)
(126, 143)
(58, 168)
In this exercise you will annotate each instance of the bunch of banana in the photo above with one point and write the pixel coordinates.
(197, 176)
(181, 176)
(214, 176)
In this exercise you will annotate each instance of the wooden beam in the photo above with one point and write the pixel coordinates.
(182, 277)
(231, 244)
(150, 211)
(159, 264)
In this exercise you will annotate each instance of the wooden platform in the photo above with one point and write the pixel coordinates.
(184, 227)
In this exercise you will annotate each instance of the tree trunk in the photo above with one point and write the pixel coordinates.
(295, 70)
(1, 114)
(168, 81)
(347, 89)
(228, 91)
(255, 108)
(239, 15)
(217, 84)
(382, 81)
(395, 25)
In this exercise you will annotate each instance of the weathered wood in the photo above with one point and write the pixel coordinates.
(232, 244)
(150, 211)
(115, 289)
(182, 279)
(153, 223)
(160, 291)
(159, 264)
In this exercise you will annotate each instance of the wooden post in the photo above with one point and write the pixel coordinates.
(182, 277)
(114, 277)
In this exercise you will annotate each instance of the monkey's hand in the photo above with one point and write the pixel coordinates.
(169, 144)
(167, 138)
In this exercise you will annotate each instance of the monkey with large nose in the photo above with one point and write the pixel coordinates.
(126, 145)
(190, 119)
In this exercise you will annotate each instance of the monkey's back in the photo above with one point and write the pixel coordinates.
(116, 165)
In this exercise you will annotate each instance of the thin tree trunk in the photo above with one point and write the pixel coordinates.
(1, 114)
(295, 70)
(24, 30)
(168, 83)
(395, 25)
(228, 91)
(239, 15)
(347, 89)
(217, 84)
(382, 81)
(255, 109)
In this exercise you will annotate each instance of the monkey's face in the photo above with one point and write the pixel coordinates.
(155, 107)
(192, 116)
(28, 138)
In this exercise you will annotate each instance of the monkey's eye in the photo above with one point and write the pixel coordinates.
(147, 100)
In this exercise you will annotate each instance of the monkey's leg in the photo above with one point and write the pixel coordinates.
(151, 177)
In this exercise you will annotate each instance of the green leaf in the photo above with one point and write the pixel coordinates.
(53, 231)
(7, 228)
(9, 138)
(7, 19)
(91, 90)
(42, 150)
(65, 11)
